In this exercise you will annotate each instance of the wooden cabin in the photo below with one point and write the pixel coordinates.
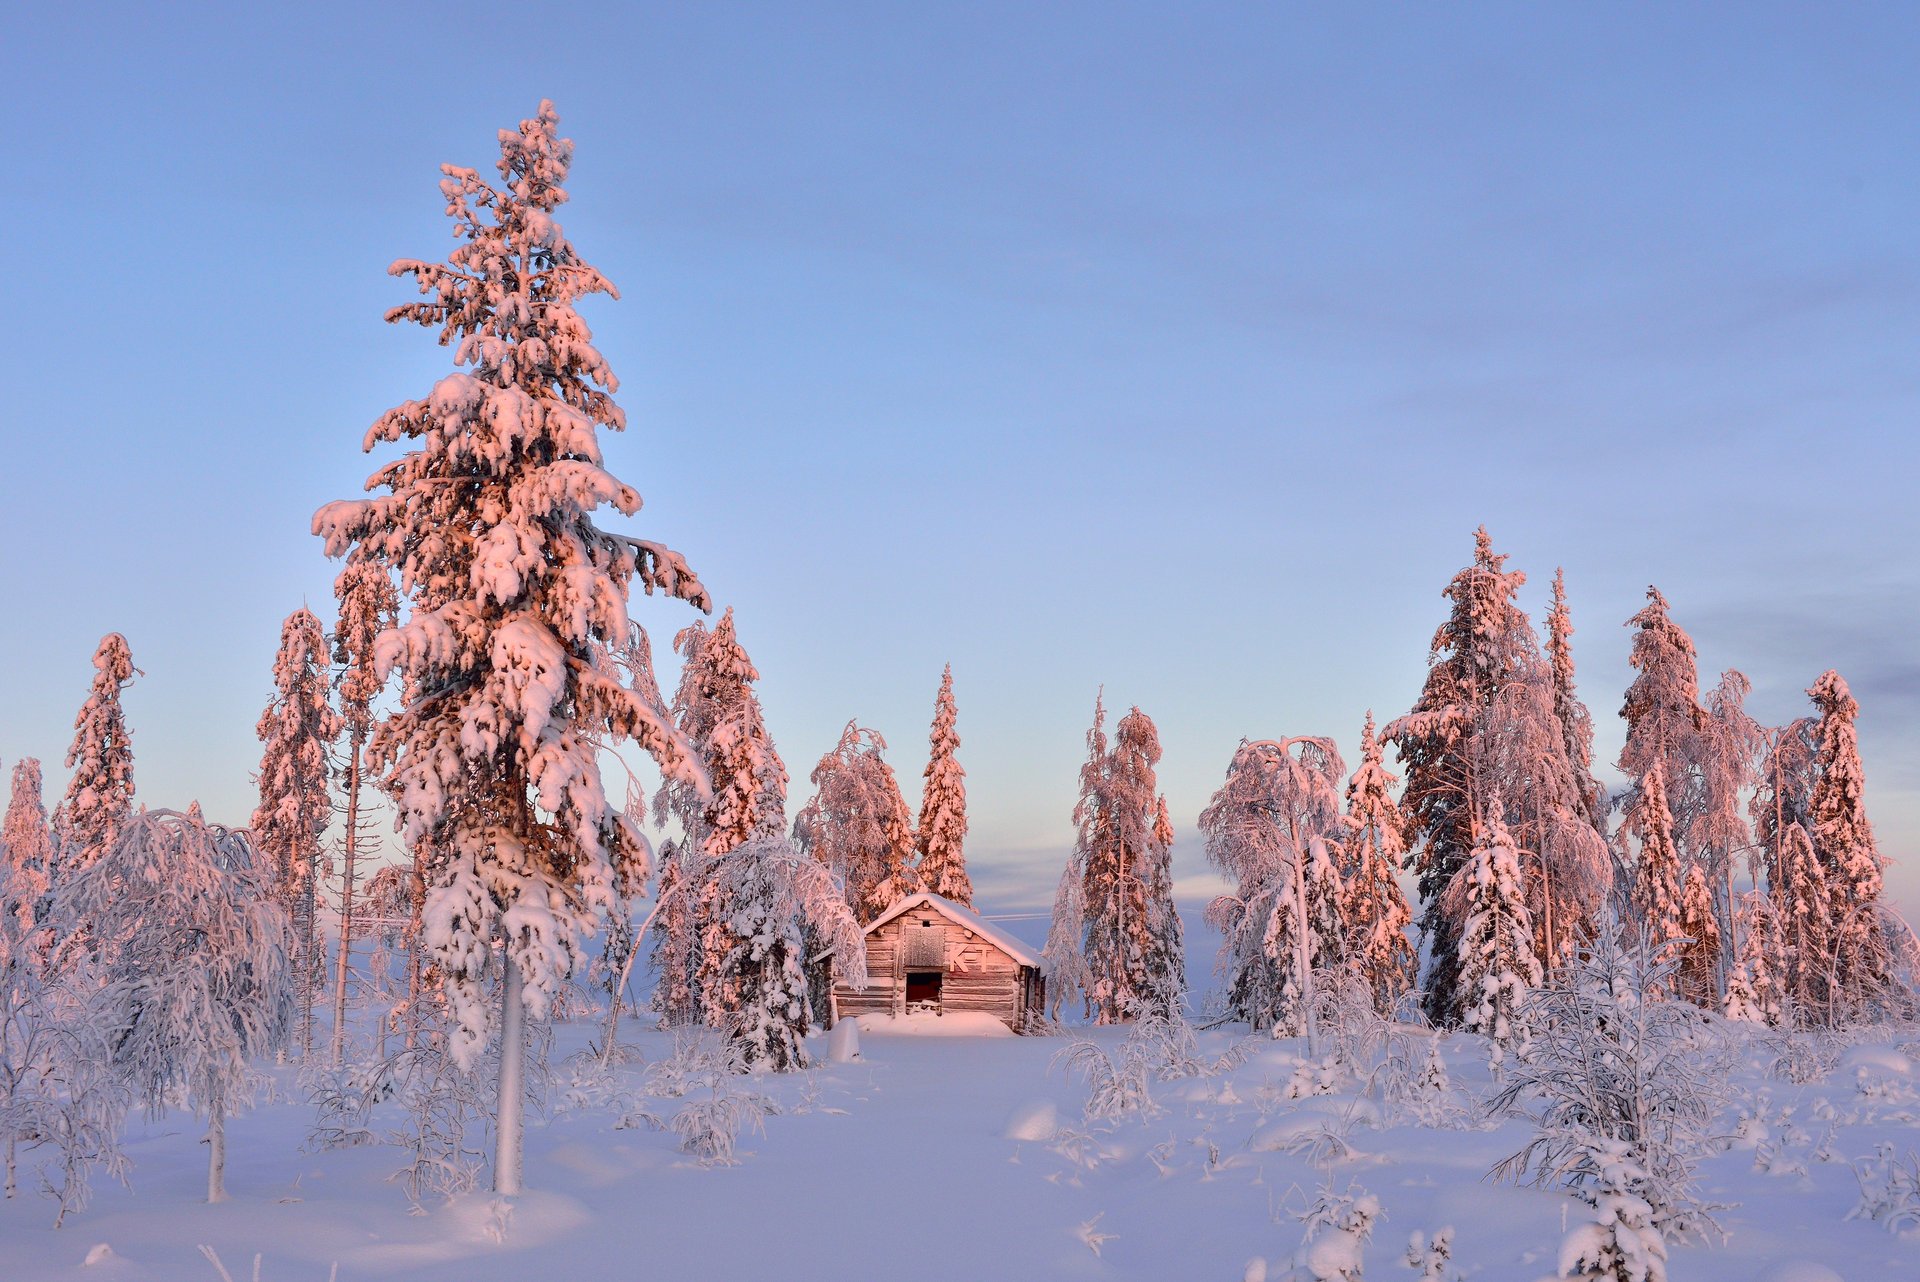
(928, 954)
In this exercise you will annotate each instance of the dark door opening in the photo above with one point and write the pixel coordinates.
(923, 990)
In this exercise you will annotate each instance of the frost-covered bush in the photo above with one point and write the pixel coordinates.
(1432, 1258)
(1622, 1083)
(194, 955)
(1338, 1228)
(61, 1105)
(1889, 1190)
(1117, 1083)
(1621, 1242)
(704, 1070)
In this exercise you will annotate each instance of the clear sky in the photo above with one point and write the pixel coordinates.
(1175, 348)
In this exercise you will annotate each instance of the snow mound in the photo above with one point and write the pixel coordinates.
(843, 1043)
(100, 1254)
(1035, 1121)
(955, 1024)
(1277, 1137)
(1797, 1271)
(1883, 1058)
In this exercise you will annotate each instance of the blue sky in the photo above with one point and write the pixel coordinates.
(1175, 350)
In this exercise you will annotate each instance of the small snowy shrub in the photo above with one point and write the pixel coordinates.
(1889, 1190)
(1621, 1243)
(1338, 1228)
(1117, 1086)
(1804, 1057)
(1431, 1258)
(1621, 1078)
(704, 1070)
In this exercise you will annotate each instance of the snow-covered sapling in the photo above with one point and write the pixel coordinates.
(1338, 1227)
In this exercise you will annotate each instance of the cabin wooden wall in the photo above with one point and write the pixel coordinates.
(977, 975)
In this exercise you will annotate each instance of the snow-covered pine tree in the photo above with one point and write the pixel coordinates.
(719, 715)
(195, 954)
(99, 797)
(1700, 954)
(1666, 726)
(858, 825)
(295, 802)
(516, 603)
(943, 806)
(1375, 908)
(1576, 723)
(1165, 990)
(1121, 854)
(675, 998)
(1803, 906)
(1655, 893)
(1843, 841)
(1498, 967)
(368, 607)
(26, 855)
(776, 900)
(1753, 991)
(1266, 828)
(1485, 645)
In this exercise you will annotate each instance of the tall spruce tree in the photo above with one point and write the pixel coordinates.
(1376, 912)
(517, 601)
(1481, 650)
(1576, 723)
(1843, 841)
(99, 797)
(1144, 834)
(943, 806)
(368, 607)
(295, 802)
(742, 796)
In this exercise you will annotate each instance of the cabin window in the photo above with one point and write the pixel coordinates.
(923, 990)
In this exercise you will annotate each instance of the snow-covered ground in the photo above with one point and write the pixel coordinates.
(970, 1157)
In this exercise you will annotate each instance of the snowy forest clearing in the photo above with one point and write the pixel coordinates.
(905, 1155)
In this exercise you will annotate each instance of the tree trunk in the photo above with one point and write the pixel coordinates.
(217, 1155)
(416, 910)
(346, 900)
(506, 1157)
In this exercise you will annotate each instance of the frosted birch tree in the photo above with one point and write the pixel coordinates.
(295, 802)
(1063, 958)
(1375, 909)
(516, 603)
(368, 607)
(1266, 829)
(942, 835)
(857, 824)
(195, 958)
(1122, 845)
(99, 797)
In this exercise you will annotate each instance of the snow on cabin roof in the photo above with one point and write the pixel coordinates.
(959, 916)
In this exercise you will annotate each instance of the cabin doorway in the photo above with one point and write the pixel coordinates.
(923, 991)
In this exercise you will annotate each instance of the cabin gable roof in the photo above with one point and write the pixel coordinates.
(959, 916)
